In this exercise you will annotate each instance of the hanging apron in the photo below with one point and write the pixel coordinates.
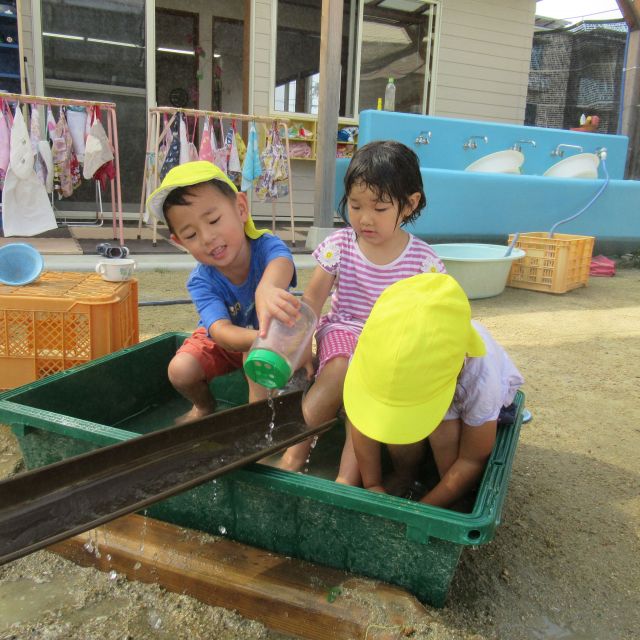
(35, 134)
(220, 154)
(274, 182)
(172, 159)
(205, 142)
(26, 210)
(62, 158)
(5, 136)
(184, 141)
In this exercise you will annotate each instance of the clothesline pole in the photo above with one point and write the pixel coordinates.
(220, 114)
(114, 138)
(145, 173)
(110, 110)
(157, 138)
(55, 102)
(286, 143)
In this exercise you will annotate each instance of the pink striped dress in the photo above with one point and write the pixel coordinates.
(359, 282)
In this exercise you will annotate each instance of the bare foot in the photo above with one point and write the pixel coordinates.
(290, 463)
(193, 414)
(397, 484)
(377, 488)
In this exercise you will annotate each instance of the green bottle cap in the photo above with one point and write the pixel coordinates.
(267, 368)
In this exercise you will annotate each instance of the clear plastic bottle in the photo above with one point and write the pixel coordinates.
(390, 96)
(273, 359)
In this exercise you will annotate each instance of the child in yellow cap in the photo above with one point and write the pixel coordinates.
(423, 369)
(239, 284)
(383, 193)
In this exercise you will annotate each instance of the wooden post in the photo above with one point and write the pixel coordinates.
(328, 111)
(285, 594)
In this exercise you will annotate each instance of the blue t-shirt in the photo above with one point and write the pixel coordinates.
(216, 298)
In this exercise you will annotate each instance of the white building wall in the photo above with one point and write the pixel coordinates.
(482, 73)
(484, 59)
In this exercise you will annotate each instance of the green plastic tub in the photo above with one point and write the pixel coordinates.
(308, 516)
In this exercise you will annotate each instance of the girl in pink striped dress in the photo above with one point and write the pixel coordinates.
(383, 193)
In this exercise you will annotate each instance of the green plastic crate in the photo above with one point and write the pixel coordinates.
(127, 393)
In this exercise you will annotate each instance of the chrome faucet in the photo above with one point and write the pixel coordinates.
(472, 144)
(424, 137)
(518, 144)
(601, 152)
(559, 152)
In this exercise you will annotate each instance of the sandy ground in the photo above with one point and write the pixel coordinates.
(565, 561)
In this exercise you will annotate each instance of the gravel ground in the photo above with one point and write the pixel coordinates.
(564, 562)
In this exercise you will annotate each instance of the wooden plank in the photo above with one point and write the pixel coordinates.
(285, 594)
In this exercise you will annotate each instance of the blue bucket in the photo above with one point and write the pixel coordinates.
(20, 264)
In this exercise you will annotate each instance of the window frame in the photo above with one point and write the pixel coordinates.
(434, 15)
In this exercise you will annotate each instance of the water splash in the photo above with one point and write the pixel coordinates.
(272, 424)
(314, 442)
(222, 530)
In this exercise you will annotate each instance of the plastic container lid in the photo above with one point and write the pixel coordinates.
(20, 264)
(267, 368)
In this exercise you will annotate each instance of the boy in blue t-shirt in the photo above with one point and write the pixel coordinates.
(239, 284)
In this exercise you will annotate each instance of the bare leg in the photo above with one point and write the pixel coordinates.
(445, 444)
(320, 405)
(188, 378)
(406, 459)
(349, 473)
(256, 391)
(368, 455)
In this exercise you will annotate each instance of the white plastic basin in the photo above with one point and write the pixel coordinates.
(480, 269)
(582, 165)
(507, 161)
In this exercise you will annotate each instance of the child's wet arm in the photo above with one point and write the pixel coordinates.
(476, 444)
(231, 337)
(318, 290)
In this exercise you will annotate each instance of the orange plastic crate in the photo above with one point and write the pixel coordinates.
(61, 320)
(555, 265)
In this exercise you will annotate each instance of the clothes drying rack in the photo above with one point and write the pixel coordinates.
(156, 134)
(109, 109)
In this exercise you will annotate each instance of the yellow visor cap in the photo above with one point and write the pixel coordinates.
(403, 374)
(188, 174)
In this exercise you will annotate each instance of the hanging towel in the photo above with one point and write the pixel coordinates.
(193, 151)
(62, 144)
(47, 164)
(273, 183)
(4, 145)
(220, 153)
(77, 121)
(252, 167)
(26, 207)
(234, 159)
(172, 158)
(205, 142)
(51, 124)
(184, 141)
(36, 135)
(97, 150)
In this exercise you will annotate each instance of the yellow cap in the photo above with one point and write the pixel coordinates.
(403, 373)
(188, 174)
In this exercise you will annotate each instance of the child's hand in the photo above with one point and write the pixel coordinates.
(274, 302)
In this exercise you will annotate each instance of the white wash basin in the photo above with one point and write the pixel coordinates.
(582, 165)
(507, 161)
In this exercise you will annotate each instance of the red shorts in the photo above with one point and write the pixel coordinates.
(214, 360)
